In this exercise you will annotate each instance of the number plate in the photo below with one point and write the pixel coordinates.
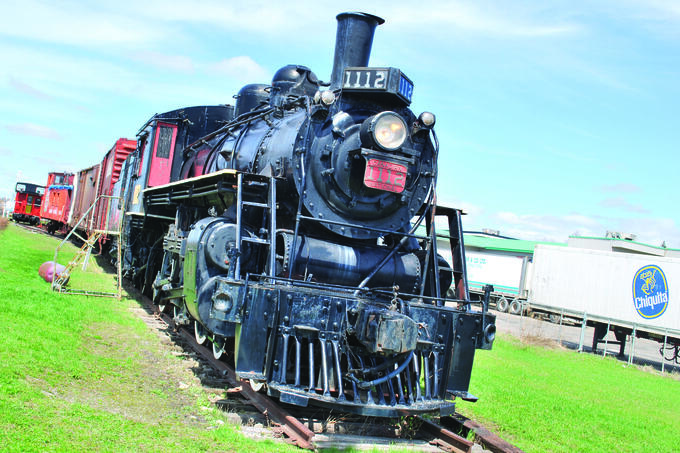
(386, 176)
(384, 82)
(365, 79)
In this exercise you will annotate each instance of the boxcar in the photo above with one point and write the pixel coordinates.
(87, 182)
(111, 167)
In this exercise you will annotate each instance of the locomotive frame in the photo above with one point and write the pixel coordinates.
(287, 232)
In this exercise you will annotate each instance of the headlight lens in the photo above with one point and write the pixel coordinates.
(386, 129)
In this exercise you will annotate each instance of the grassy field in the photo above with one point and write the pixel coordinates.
(79, 373)
(552, 399)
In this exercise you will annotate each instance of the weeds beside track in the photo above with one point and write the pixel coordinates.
(83, 374)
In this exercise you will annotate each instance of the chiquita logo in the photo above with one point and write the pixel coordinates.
(650, 292)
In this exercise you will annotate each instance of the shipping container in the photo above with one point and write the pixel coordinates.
(628, 293)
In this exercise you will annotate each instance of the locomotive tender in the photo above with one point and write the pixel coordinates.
(284, 231)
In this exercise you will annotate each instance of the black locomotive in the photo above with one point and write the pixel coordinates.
(296, 232)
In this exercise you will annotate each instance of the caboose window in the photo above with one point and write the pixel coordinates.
(58, 179)
(164, 142)
(29, 200)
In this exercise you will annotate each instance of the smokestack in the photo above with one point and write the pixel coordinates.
(352, 43)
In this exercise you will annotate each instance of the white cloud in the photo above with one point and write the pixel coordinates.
(621, 203)
(34, 130)
(621, 187)
(570, 155)
(540, 227)
(177, 63)
(75, 24)
(653, 231)
(241, 68)
(491, 19)
(28, 89)
(661, 17)
(557, 228)
(64, 75)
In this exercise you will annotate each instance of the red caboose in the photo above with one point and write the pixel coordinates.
(56, 204)
(27, 202)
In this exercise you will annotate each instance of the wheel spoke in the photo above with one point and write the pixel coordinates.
(199, 332)
(218, 348)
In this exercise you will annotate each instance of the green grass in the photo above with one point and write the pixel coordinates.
(75, 375)
(84, 373)
(543, 399)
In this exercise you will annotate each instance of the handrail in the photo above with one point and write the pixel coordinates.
(106, 231)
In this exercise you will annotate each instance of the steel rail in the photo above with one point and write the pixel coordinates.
(443, 438)
(297, 433)
(489, 440)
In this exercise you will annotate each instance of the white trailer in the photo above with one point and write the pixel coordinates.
(506, 272)
(627, 293)
(501, 262)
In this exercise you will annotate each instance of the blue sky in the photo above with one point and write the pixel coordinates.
(554, 117)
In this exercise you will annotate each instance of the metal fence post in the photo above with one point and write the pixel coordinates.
(606, 341)
(583, 331)
(560, 330)
(631, 356)
(663, 351)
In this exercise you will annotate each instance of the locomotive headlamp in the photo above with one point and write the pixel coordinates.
(427, 119)
(386, 130)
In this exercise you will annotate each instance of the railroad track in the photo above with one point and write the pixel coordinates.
(39, 230)
(312, 429)
(31, 228)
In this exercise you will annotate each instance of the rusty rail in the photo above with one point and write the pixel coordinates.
(443, 438)
(296, 432)
(489, 440)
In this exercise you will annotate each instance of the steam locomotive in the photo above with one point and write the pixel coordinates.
(296, 233)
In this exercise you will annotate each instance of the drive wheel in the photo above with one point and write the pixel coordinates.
(199, 332)
(218, 347)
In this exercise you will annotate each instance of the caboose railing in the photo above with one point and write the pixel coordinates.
(59, 282)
